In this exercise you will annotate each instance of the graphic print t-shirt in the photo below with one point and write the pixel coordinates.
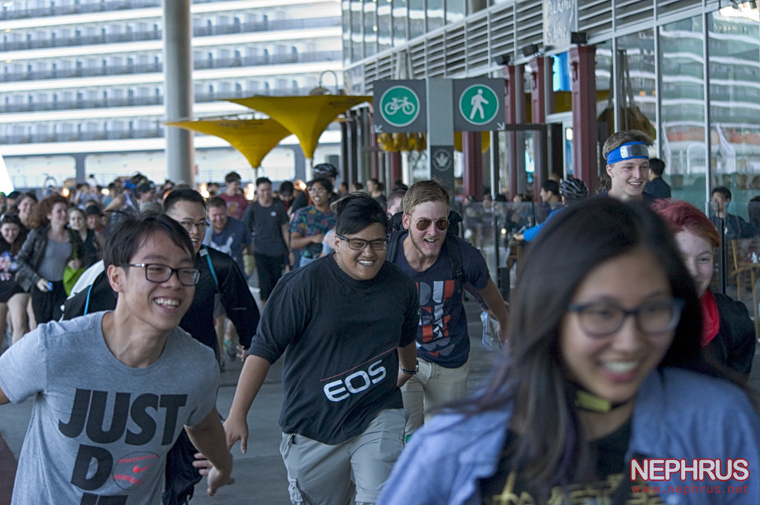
(442, 337)
(504, 487)
(236, 205)
(230, 240)
(100, 430)
(309, 221)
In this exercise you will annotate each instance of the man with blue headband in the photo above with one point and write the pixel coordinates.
(627, 155)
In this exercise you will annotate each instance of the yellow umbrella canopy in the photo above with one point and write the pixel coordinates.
(485, 141)
(254, 138)
(305, 116)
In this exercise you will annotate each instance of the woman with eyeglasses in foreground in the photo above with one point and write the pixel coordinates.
(602, 367)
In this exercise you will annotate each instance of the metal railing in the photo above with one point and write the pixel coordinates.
(141, 101)
(148, 68)
(77, 136)
(65, 10)
(81, 136)
(141, 36)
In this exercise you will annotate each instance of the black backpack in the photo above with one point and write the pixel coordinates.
(451, 245)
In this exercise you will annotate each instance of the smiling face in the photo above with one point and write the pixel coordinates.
(218, 218)
(26, 207)
(614, 367)
(264, 193)
(697, 254)
(318, 195)
(427, 242)
(153, 307)
(59, 215)
(628, 178)
(93, 221)
(233, 188)
(188, 213)
(361, 265)
(9, 232)
(76, 219)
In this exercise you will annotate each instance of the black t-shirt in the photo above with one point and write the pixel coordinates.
(611, 473)
(266, 224)
(339, 337)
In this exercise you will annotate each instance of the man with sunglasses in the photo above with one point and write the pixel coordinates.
(443, 345)
(109, 396)
(346, 324)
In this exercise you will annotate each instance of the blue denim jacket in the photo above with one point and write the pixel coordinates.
(678, 414)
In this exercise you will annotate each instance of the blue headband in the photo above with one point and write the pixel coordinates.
(628, 151)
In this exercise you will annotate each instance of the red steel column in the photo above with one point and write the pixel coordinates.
(538, 112)
(373, 157)
(472, 177)
(514, 113)
(394, 169)
(585, 157)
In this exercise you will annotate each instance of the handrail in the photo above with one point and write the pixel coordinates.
(139, 101)
(149, 68)
(201, 31)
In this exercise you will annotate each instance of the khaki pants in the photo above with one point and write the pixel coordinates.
(321, 474)
(431, 387)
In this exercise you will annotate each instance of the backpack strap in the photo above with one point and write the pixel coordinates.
(87, 299)
(455, 258)
(204, 252)
(393, 245)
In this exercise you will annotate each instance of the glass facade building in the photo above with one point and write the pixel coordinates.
(688, 71)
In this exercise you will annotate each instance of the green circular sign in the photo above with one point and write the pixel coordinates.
(478, 104)
(399, 106)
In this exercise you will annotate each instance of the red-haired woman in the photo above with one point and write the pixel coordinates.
(728, 334)
(48, 249)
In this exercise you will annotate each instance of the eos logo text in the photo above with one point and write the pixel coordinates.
(355, 383)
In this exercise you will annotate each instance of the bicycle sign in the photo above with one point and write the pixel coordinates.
(399, 106)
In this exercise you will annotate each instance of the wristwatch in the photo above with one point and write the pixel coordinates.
(411, 372)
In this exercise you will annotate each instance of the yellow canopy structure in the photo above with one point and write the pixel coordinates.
(254, 138)
(305, 116)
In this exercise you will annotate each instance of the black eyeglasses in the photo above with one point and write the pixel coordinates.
(155, 272)
(190, 226)
(600, 319)
(423, 223)
(358, 244)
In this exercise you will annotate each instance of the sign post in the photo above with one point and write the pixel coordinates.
(440, 131)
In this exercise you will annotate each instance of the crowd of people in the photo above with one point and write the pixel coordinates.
(616, 354)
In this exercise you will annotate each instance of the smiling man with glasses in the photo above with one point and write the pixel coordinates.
(218, 275)
(110, 395)
(443, 345)
(345, 324)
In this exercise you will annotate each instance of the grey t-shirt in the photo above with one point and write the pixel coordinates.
(100, 430)
(54, 260)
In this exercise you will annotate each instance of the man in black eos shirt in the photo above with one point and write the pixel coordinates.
(348, 322)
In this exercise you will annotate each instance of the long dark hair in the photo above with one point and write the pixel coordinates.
(15, 247)
(530, 376)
